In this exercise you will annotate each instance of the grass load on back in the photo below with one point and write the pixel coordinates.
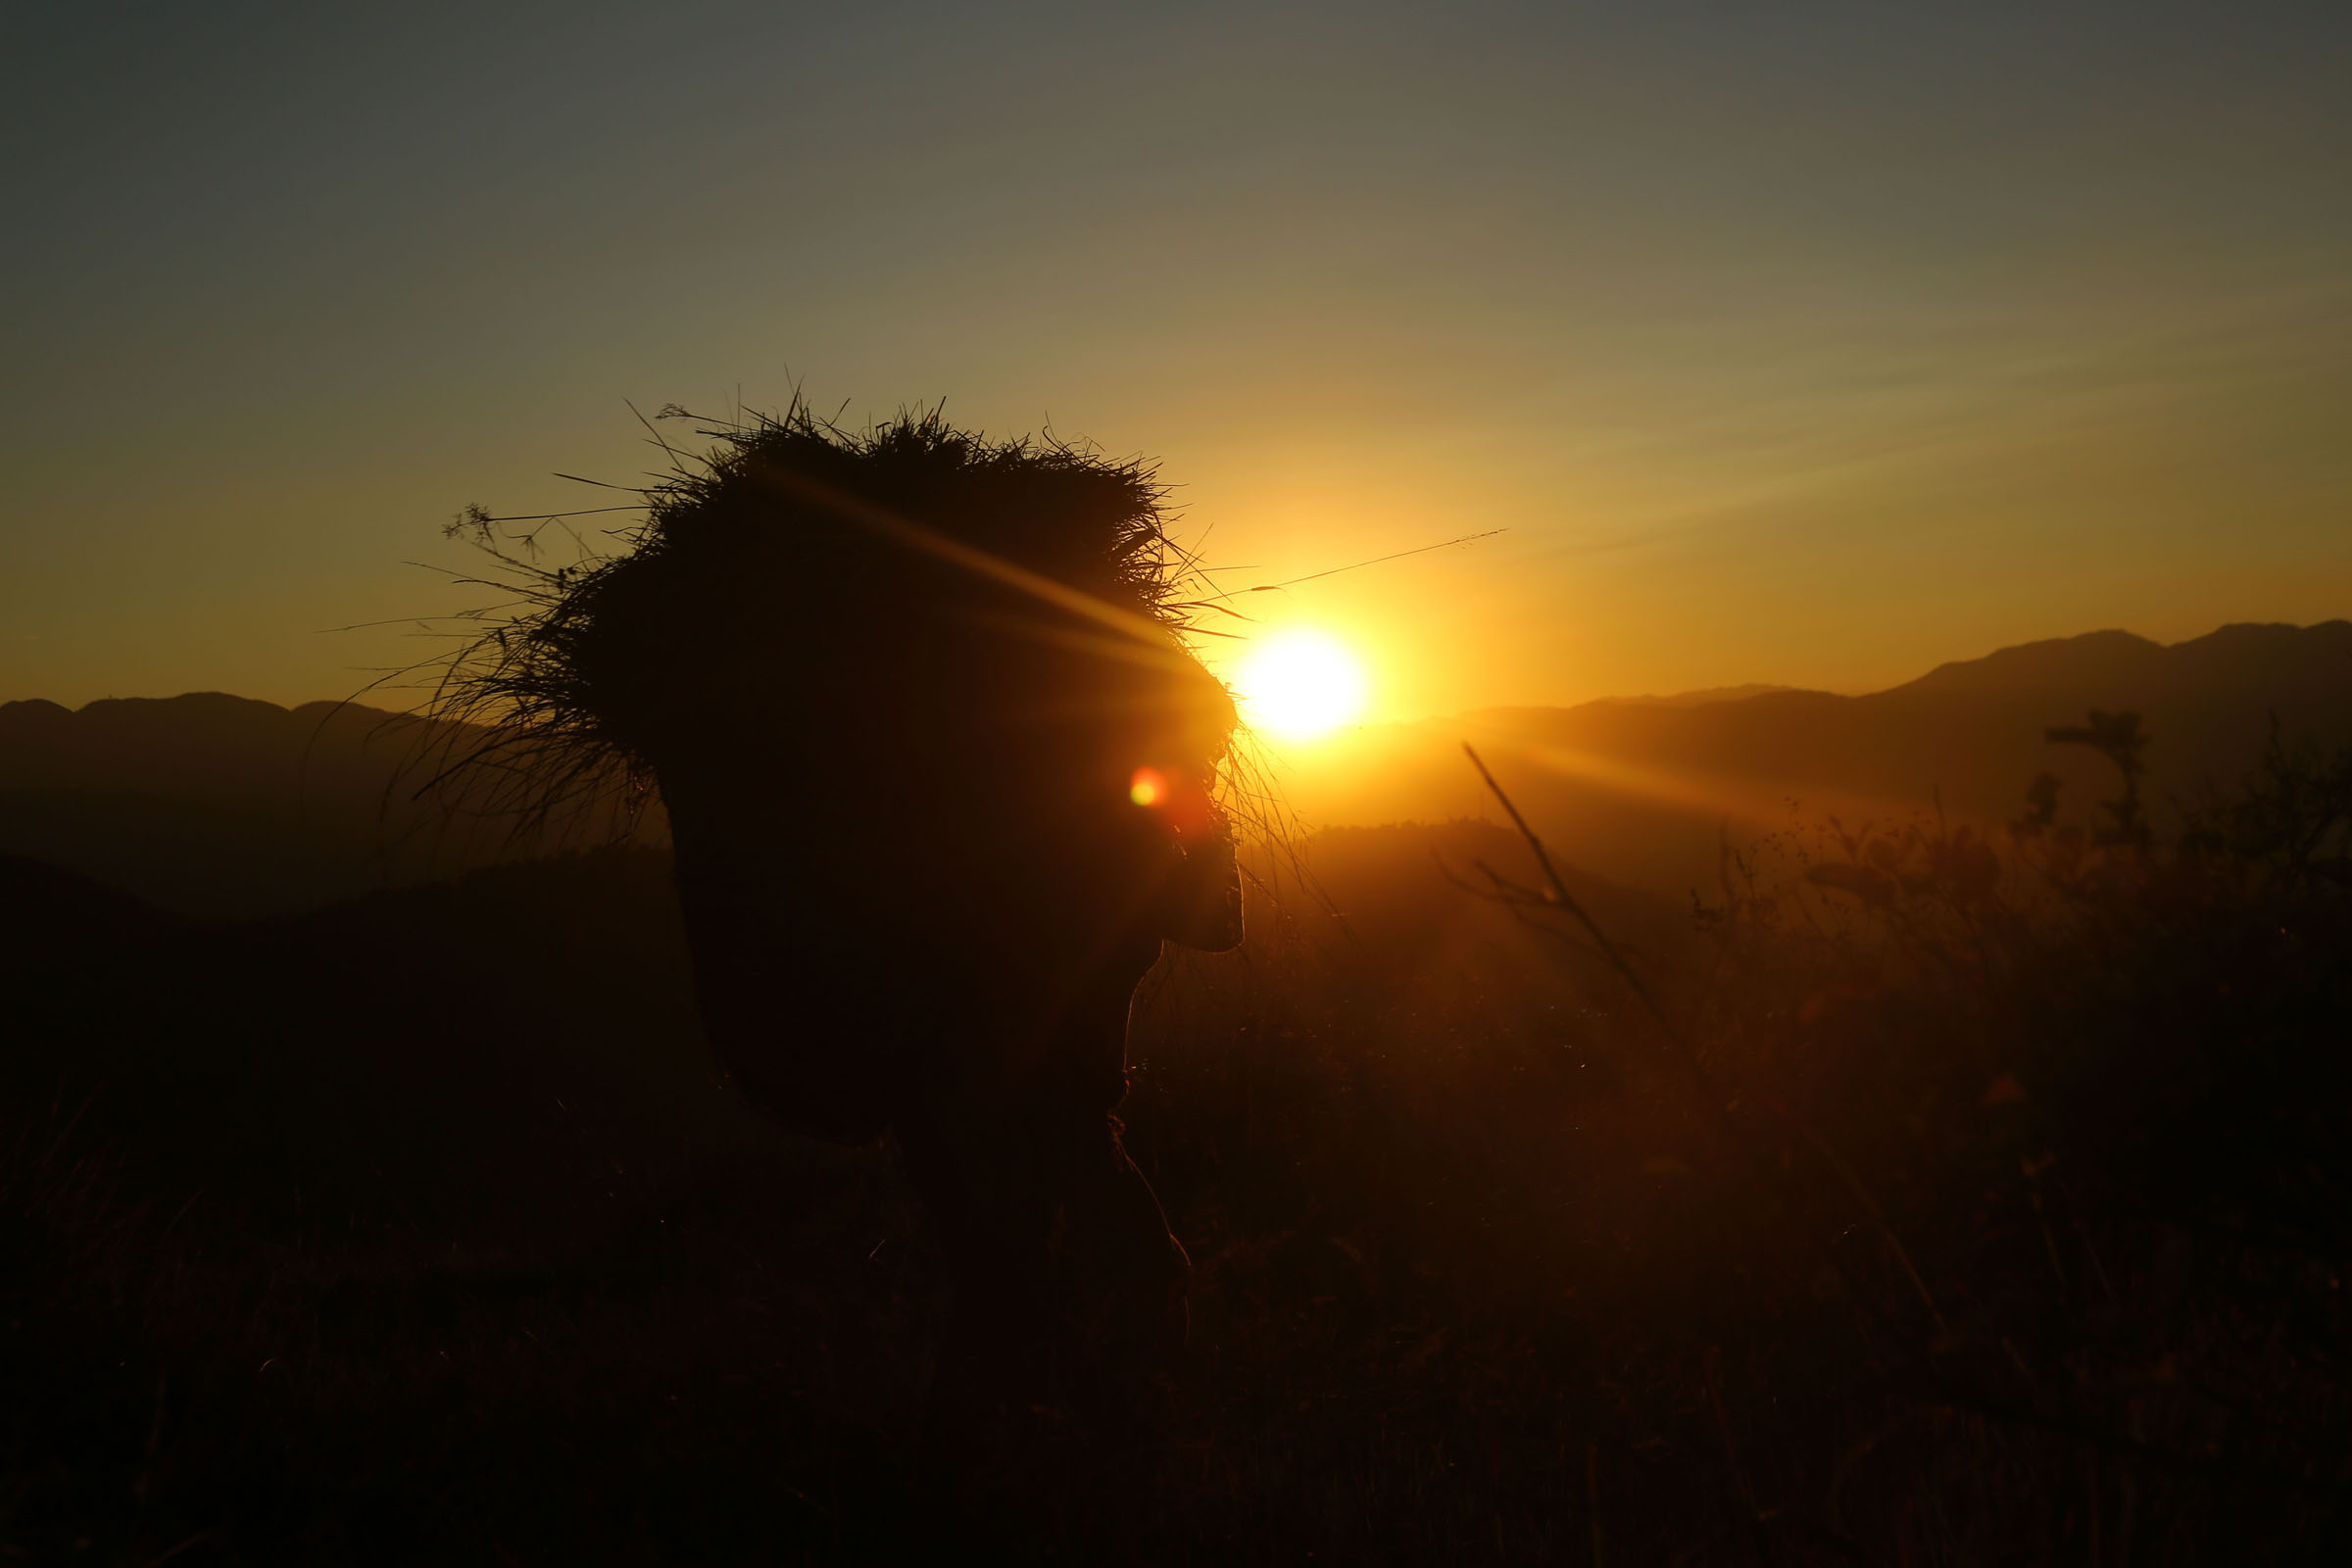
(794, 550)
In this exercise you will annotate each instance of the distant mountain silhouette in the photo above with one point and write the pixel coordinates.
(1644, 792)
(222, 806)
(1699, 699)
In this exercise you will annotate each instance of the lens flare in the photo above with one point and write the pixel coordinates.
(1300, 684)
(1148, 787)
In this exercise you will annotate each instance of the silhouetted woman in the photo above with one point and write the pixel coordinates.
(939, 773)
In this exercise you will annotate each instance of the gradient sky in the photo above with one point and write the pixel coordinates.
(1803, 343)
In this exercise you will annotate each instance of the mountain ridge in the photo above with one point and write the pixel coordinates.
(1648, 794)
(2267, 637)
(213, 804)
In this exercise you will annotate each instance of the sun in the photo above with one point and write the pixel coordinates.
(1299, 685)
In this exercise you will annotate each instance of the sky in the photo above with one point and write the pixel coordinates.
(1804, 343)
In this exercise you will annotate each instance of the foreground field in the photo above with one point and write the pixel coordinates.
(2009, 1226)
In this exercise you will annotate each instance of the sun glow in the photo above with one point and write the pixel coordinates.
(1299, 685)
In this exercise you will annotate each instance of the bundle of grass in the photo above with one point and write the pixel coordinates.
(793, 534)
(910, 695)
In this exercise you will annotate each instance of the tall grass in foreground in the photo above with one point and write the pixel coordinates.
(1999, 1213)
(2013, 1231)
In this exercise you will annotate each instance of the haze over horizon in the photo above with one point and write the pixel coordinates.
(398, 699)
(1783, 351)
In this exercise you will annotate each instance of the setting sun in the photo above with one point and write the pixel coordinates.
(1299, 685)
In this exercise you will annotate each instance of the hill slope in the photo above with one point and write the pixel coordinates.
(224, 806)
(1644, 792)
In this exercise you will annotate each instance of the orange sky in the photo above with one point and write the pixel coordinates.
(1814, 346)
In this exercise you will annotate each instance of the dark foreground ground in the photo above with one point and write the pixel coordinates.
(414, 1230)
